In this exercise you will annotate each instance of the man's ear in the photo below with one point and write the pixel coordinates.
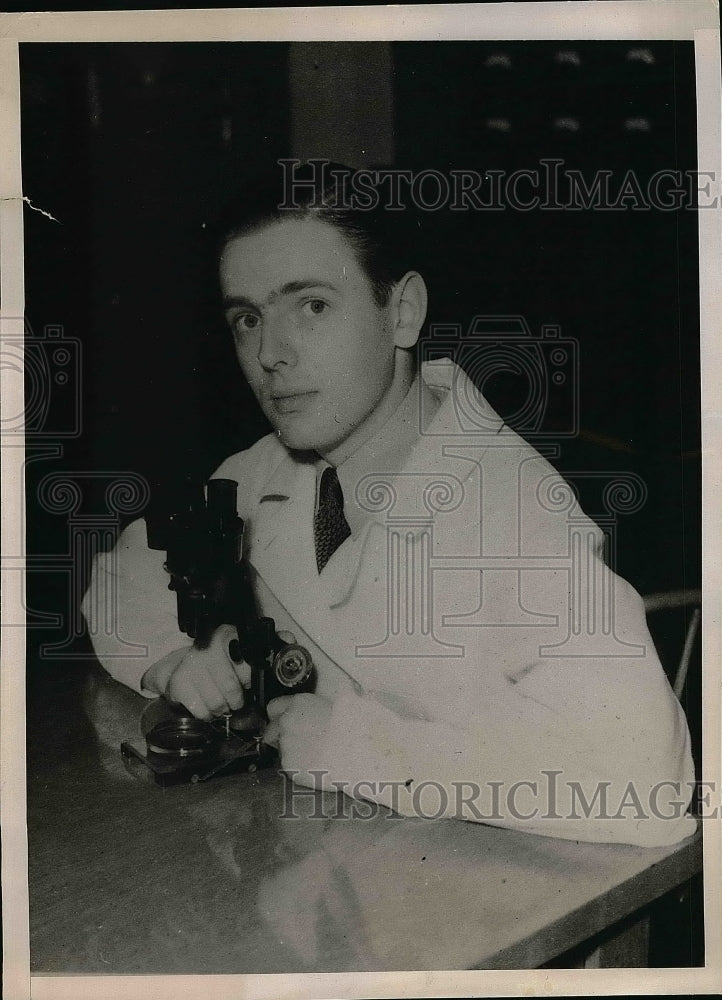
(409, 300)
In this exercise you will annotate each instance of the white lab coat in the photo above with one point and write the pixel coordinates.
(474, 644)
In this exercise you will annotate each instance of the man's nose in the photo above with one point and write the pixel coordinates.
(277, 344)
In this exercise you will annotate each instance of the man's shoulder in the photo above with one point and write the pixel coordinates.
(520, 488)
(266, 452)
(252, 467)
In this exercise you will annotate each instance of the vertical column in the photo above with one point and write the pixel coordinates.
(497, 562)
(409, 547)
(87, 537)
(410, 631)
(591, 625)
(88, 534)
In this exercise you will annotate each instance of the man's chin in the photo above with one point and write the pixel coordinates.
(300, 439)
(297, 440)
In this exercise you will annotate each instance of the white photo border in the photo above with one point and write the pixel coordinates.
(579, 19)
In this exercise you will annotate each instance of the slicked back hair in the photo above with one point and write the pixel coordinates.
(383, 239)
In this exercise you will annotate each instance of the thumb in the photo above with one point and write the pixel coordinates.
(276, 707)
(220, 644)
(272, 733)
(223, 636)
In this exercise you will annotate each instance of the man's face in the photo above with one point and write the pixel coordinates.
(316, 349)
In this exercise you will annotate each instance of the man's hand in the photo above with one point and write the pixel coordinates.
(206, 681)
(298, 726)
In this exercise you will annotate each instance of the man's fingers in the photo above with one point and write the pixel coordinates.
(214, 694)
(225, 666)
(223, 689)
(272, 733)
(207, 681)
(233, 698)
(199, 693)
(242, 670)
(226, 683)
(223, 636)
(288, 637)
(276, 708)
(188, 696)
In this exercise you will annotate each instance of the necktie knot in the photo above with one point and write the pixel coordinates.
(330, 527)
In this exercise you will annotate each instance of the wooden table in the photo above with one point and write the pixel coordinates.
(126, 877)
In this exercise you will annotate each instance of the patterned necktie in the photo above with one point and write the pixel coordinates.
(330, 527)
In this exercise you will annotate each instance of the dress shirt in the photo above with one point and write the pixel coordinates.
(386, 452)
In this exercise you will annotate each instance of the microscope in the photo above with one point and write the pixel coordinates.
(202, 535)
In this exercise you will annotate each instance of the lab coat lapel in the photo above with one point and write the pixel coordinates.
(281, 545)
(279, 539)
(416, 493)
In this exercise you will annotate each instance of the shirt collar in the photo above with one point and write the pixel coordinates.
(387, 452)
(428, 408)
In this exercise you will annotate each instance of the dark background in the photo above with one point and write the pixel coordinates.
(133, 147)
(125, 146)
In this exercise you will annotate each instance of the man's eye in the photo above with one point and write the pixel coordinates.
(245, 322)
(315, 306)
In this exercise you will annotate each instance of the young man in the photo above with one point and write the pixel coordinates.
(475, 656)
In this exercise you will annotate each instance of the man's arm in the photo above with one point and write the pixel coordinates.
(591, 747)
(132, 616)
(130, 613)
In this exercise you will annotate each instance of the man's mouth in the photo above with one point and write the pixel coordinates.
(289, 402)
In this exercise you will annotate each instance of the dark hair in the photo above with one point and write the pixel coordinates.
(335, 194)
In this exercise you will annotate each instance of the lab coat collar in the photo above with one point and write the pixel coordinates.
(282, 545)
